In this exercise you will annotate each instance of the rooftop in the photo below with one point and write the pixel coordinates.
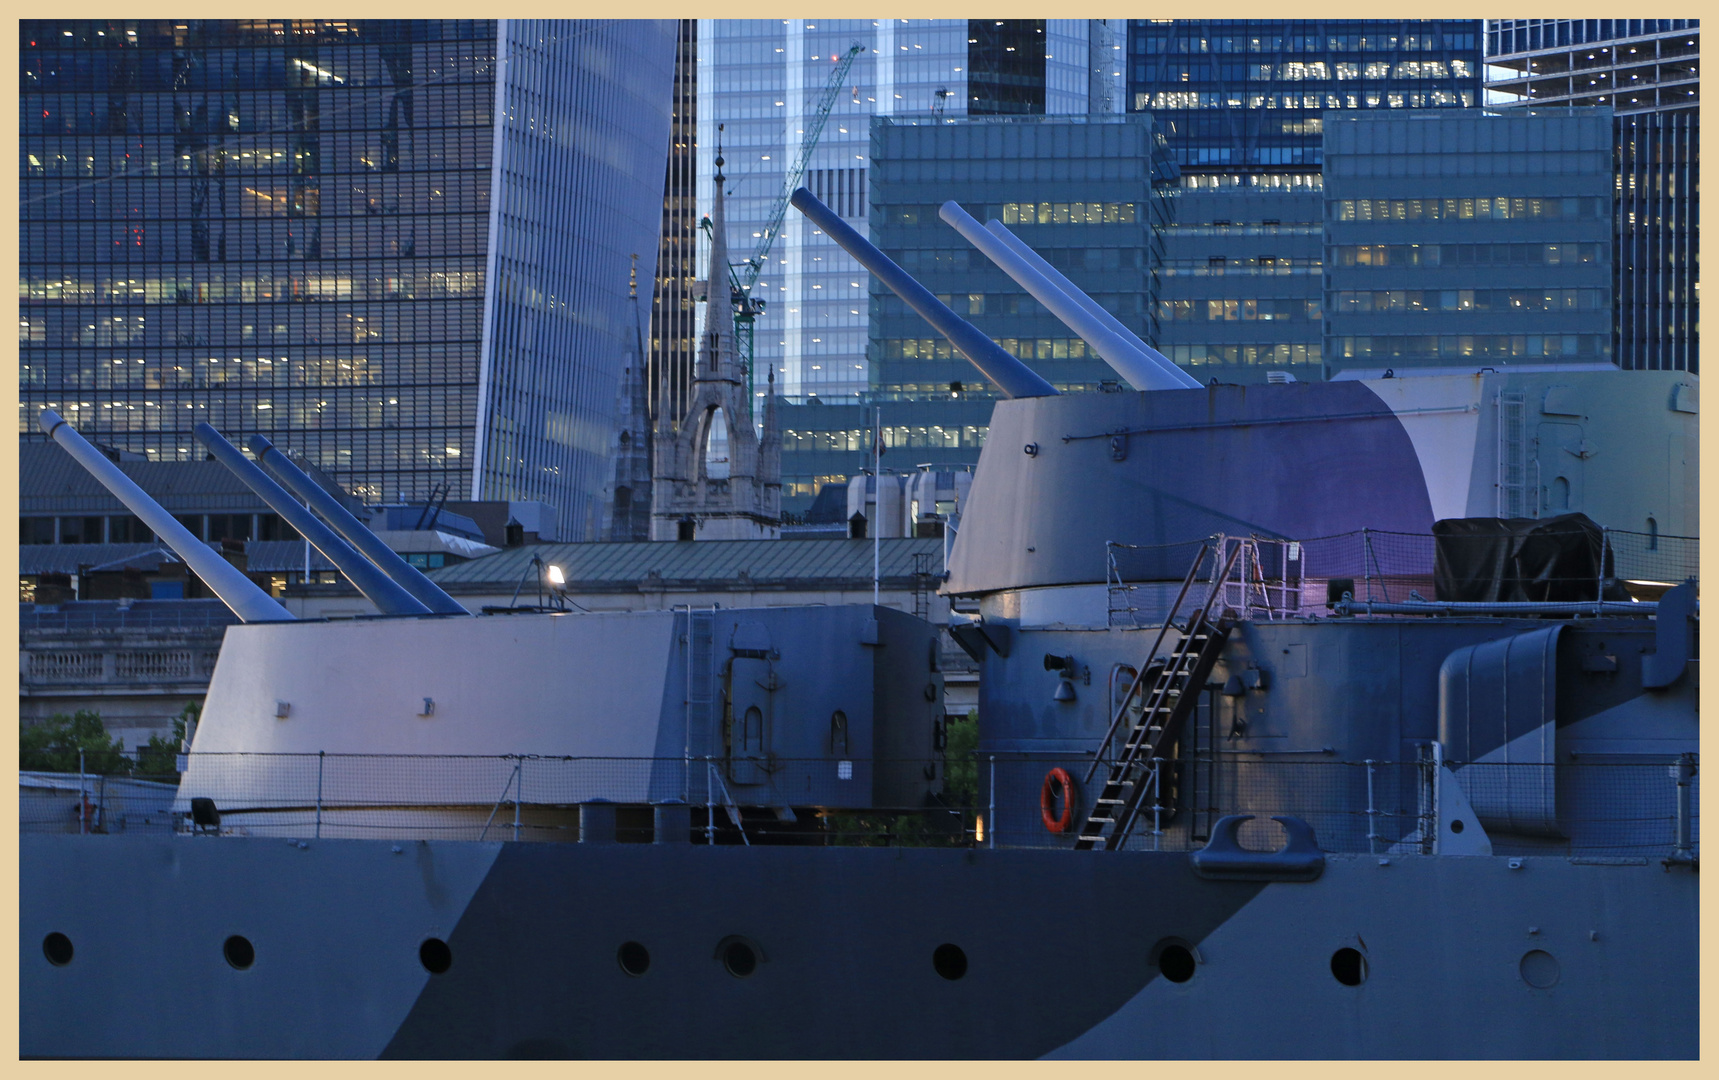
(782, 564)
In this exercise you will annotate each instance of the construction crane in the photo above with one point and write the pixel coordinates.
(744, 275)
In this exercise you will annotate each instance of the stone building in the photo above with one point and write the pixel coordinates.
(714, 478)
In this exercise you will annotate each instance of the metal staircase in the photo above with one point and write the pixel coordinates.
(1174, 694)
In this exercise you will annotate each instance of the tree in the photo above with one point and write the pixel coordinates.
(960, 764)
(53, 745)
(159, 757)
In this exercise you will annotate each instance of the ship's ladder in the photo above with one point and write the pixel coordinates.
(1173, 697)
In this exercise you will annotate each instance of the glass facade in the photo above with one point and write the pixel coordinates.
(674, 337)
(1237, 96)
(1457, 238)
(761, 79)
(1243, 103)
(286, 226)
(1647, 72)
(1005, 67)
(1632, 65)
(1239, 295)
(1087, 193)
(581, 140)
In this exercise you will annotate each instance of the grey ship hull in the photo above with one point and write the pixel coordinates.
(1058, 945)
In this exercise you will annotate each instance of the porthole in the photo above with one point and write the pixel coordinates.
(1176, 963)
(435, 955)
(634, 958)
(1540, 969)
(1349, 967)
(949, 961)
(739, 959)
(239, 952)
(57, 947)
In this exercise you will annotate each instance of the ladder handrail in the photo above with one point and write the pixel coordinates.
(1182, 647)
(1122, 710)
(1121, 768)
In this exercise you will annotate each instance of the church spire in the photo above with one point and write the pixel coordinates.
(716, 351)
(770, 446)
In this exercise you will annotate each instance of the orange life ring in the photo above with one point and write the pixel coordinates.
(1047, 800)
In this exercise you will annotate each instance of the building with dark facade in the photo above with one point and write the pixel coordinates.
(402, 247)
(1647, 73)
(1242, 104)
(1464, 238)
(762, 80)
(1243, 97)
(674, 333)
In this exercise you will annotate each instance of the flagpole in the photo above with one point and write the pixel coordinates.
(877, 508)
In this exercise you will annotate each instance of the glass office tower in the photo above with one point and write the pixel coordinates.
(353, 236)
(761, 81)
(1648, 73)
(1463, 239)
(1242, 103)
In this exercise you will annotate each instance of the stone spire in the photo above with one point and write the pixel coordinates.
(691, 500)
(770, 446)
(716, 352)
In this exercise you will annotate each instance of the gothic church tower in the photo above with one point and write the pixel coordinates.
(714, 479)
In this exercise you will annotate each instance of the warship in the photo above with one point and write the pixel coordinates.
(1316, 720)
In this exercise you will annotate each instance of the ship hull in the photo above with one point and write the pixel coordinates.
(1058, 949)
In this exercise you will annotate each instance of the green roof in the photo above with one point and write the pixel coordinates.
(786, 564)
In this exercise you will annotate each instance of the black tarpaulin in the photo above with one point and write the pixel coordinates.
(1556, 559)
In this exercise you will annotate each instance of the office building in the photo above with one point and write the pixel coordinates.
(762, 79)
(1240, 99)
(1086, 192)
(1647, 73)
(673, 328)
(1239, 286)
(1467, 238)
(1241, 103)
(402, 247)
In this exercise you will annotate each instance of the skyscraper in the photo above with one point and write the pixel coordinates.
(1647, 73)
(1242, 105)
(402, 247)
(762, 78)
(674, 330)
(1467, 237)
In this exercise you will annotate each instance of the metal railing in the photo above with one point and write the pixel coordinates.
(1645, 808)
(1284, 577)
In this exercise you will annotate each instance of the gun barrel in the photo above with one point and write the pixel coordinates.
(1124, 358)
(248, 601)
(1012, 377)
(355, 532)
(1091, 306)
(377, 587)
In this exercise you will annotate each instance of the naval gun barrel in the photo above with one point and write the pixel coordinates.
(1013, 378)
(377, 587)
(248, 601)
(1091, 306)
(1127, 361)
(355, 532)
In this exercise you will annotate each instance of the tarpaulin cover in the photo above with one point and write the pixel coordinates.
(1556, 559)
